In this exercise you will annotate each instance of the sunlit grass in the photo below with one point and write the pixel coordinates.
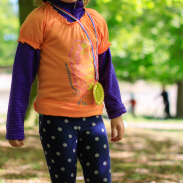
(129, 118)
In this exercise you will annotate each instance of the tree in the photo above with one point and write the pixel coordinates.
(8, 32)
(147, 38)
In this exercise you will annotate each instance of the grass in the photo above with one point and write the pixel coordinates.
(149, 119)
(143, 156)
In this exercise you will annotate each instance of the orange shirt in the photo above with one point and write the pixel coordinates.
(66, 73)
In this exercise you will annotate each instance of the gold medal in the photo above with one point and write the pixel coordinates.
(98, 93)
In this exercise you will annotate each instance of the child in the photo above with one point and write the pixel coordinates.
(67, 56)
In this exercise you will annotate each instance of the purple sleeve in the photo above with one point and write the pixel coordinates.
(108, 79)
(25, 68)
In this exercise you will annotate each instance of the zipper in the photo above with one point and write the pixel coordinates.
(75, 5)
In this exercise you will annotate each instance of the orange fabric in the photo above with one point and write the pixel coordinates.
(66, 72)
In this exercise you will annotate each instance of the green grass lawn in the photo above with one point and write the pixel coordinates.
(142, 156)
(146, 119)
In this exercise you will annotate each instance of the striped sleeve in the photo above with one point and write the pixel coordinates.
(107, 77)
(25, 67)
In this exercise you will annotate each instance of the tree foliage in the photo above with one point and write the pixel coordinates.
(9, 26)
(147, 38)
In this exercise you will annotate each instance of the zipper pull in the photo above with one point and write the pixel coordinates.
(75, 5)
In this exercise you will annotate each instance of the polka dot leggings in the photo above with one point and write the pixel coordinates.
(65, 139)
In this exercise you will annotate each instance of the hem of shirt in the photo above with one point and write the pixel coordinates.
(14, 137)
(117, 113)
(104, 48)
(55, 108)
(34, 45)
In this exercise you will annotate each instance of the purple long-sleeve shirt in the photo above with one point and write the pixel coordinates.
(25, 68)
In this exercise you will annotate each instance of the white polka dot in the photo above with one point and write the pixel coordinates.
(74, 150)
(88, 132)
(105, 179)
(44, 129)
(69, 160)
(109, 170)
(45, 152)
(104, 163)
(59, 129)
(81, 155)
(76, 141)
(84, 119)
(63, 169)
(72, 175)
(58, 153)
(49, 167)
(102, 130)
(88, 147)
(93, 124)
(75, 127)
(64, 144)
(96, 139)
(88, 180)
(87, 164)
(52, 161)
(53, 137)
(105, 146)
(66, 120)
(97, 116)
(80, 139)
(70, 136)
(79, 128)
(56, 175)
(48, 121)
(96, 155)
(95, 172)
(48, 145)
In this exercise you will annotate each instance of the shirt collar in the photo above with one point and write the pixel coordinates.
(77, 6)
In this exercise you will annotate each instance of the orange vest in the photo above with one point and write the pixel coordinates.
(66, 73)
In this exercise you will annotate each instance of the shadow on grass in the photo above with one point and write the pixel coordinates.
(154, 158)
(23, 175)
(141, 157)
(25, 161)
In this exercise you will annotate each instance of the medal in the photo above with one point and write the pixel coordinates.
(98, 91)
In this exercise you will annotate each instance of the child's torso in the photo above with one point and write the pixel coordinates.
(66, 72)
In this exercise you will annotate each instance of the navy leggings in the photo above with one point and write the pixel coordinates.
(65, 139)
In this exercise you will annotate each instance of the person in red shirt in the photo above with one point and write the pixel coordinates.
(133, 103)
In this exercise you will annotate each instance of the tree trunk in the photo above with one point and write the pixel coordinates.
(180, 99)
(26, 7)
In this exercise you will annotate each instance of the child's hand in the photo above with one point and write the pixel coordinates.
(117, 124)
(16, 143)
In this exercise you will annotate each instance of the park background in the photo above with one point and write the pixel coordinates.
(147, 45)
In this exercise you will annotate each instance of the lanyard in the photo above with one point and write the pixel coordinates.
(94, 57)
